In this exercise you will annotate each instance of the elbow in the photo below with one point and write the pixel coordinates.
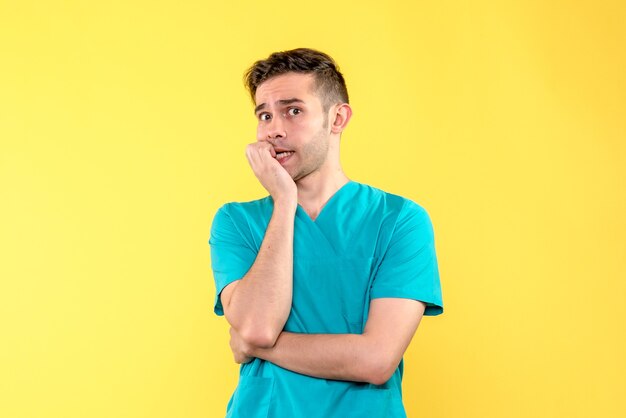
(380, 377)
(259, 337)
(255, 334)
(380, 370)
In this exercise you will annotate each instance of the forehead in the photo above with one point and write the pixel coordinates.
(285, 86)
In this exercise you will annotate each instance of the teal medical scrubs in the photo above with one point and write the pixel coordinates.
(364, 244)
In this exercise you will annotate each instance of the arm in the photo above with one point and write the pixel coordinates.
(258, 305)
(369, 357)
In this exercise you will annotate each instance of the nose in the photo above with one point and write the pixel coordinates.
(272, 129)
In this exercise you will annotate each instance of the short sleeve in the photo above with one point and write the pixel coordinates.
(408, 268)
(231, 256)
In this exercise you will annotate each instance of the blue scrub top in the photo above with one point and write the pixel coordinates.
(364, 244)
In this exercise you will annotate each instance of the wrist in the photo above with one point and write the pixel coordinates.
(259, 352)
(285, 203)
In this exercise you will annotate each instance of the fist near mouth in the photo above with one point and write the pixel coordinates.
(266, 165)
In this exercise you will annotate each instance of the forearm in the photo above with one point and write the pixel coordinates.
(369, 357)
(260, 303)
(353, 357)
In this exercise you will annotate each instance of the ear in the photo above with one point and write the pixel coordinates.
(340, 117)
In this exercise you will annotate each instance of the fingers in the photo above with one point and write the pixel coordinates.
(262, 159)
(258, 152)
(270, 173)
(240, 359)
(237, 348)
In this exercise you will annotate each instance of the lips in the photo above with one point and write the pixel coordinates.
(283, 156)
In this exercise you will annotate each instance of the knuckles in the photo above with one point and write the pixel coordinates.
(261, 149)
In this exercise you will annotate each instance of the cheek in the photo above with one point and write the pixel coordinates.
(304, 126)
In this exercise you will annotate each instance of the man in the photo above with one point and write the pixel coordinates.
(325, 281)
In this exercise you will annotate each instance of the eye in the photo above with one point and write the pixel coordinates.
(264, 116)
(293, 111)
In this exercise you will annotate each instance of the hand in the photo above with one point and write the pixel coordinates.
(239, 348)
(273, 176)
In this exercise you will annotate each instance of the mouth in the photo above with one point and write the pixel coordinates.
(283, 156)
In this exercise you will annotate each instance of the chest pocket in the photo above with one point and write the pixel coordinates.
(330, 294)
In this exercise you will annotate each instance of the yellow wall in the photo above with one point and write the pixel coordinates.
(122, 129)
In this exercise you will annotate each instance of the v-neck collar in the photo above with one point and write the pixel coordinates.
(329, 203)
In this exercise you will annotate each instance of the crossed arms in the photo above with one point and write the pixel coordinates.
(369, 357)
(258, 305)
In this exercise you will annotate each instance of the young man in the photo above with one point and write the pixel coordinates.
(325, 281)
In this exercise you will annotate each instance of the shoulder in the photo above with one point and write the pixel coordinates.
(246, 208)
(242, 213)
(393, 205)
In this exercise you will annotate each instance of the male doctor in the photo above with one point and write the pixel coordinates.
(324, 281)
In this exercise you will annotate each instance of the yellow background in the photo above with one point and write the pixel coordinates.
(122, 130)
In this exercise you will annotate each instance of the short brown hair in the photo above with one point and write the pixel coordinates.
(329, 81)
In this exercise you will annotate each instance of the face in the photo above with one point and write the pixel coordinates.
(291, 118)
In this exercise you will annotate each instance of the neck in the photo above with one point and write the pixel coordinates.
(317, 188)
(313, 195)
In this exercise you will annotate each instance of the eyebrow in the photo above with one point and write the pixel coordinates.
(280, 102)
